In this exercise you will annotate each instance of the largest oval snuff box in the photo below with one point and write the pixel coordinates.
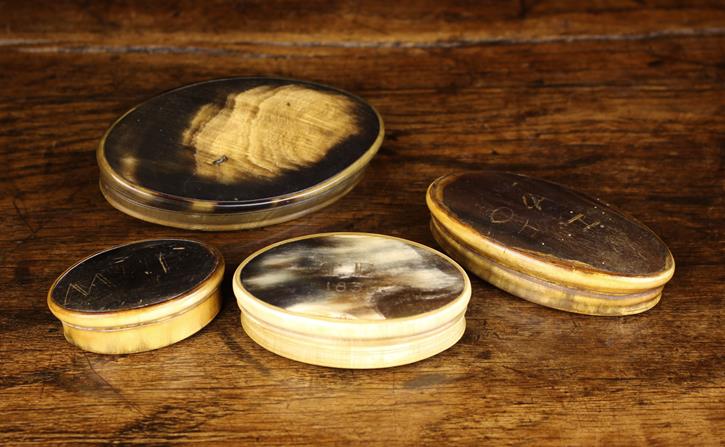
(352, 300)
(139, 296)
(549, 244)
(237, 153)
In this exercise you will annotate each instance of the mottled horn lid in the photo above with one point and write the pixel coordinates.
(237, 153)
(550, 232)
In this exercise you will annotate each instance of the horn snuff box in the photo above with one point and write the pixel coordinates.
(549, 244)
(237, 153)
(352, 300)
(139, 296)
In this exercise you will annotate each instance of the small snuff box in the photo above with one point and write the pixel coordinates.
(352, 300)
(138, 297)
(237, 153)
(549, 244)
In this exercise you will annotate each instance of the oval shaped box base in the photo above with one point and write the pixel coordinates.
(203, 220)
(353, 354)
(352, 300)
(544, 292)
(139, 296)
(146, 337)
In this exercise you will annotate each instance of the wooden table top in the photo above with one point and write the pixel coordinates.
(618, 99)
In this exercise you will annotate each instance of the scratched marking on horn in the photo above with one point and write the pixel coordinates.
(353, 277)
(86, 292)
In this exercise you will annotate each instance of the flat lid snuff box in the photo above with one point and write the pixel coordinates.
(352, 300)
(549, 244)
(237, 153)
(139, 296)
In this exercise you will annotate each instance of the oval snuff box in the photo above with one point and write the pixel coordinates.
(352, 300)
(139, 296)
(549, 244)
(237, 153)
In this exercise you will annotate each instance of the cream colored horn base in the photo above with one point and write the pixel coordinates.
(353, 354)
(146, 337)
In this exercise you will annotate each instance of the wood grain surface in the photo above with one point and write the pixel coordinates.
(622, 100)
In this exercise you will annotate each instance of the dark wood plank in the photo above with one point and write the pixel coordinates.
(196, 27)
(634, 118)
